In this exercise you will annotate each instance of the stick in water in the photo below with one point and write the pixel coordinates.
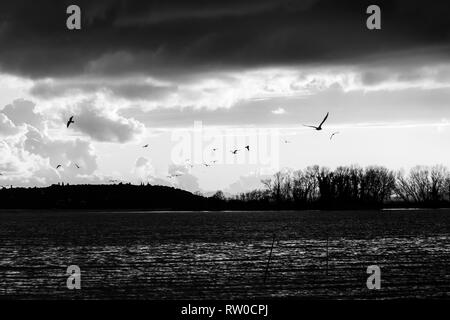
(268, 261)
(327, 253)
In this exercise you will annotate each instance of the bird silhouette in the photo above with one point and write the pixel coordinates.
(145, 146)
(333, 134)
(247, 147)
(70, 121)
(207, 165)
(320, 125)
(76, 165)
(58, 166)
(234, 151)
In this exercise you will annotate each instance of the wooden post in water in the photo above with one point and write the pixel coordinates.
(268, 260)
(327, 255)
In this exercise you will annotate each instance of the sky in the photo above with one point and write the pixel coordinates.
(196, 80)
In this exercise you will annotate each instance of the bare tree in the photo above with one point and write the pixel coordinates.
(305, 185)
(377, 184)
(424, 184)
(274, 186)
(438, 178)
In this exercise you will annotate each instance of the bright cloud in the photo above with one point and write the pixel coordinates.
(279, 111)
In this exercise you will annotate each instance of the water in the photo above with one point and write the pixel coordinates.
(223, 255)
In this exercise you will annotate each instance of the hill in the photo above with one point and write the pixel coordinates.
(118, 196)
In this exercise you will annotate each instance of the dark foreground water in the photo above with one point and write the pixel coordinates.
(222, 255)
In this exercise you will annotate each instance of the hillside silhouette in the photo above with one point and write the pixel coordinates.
(118, 196)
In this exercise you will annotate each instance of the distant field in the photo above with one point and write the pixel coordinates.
(222, 255)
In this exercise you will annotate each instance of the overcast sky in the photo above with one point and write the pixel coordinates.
(187, 77)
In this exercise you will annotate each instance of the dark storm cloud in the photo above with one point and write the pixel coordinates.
(127, 90)
(173, 37)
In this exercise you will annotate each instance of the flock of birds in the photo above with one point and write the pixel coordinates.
(247, 147)
(69, 122)
(234, 151)
(207, 165)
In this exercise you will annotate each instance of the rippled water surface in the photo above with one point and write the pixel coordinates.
(222, 255)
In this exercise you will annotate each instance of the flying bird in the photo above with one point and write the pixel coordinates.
(247, 147)
(287, 141)
(320, 125)
(145, 146)
(207, 165)
(58, 166)
(333, 134)
(76, 165)
(234, 151)
(70, 121)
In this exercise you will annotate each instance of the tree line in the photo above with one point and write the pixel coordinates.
(352, 187)
(346, 187)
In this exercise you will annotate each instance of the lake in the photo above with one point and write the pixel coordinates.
(224, 255)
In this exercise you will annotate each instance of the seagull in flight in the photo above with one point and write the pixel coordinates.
(58, 166)
(70, 121)
(333, 134)
(320, 125)
(76, 165)
(234, 151)
(247, 147)
(145, 146)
